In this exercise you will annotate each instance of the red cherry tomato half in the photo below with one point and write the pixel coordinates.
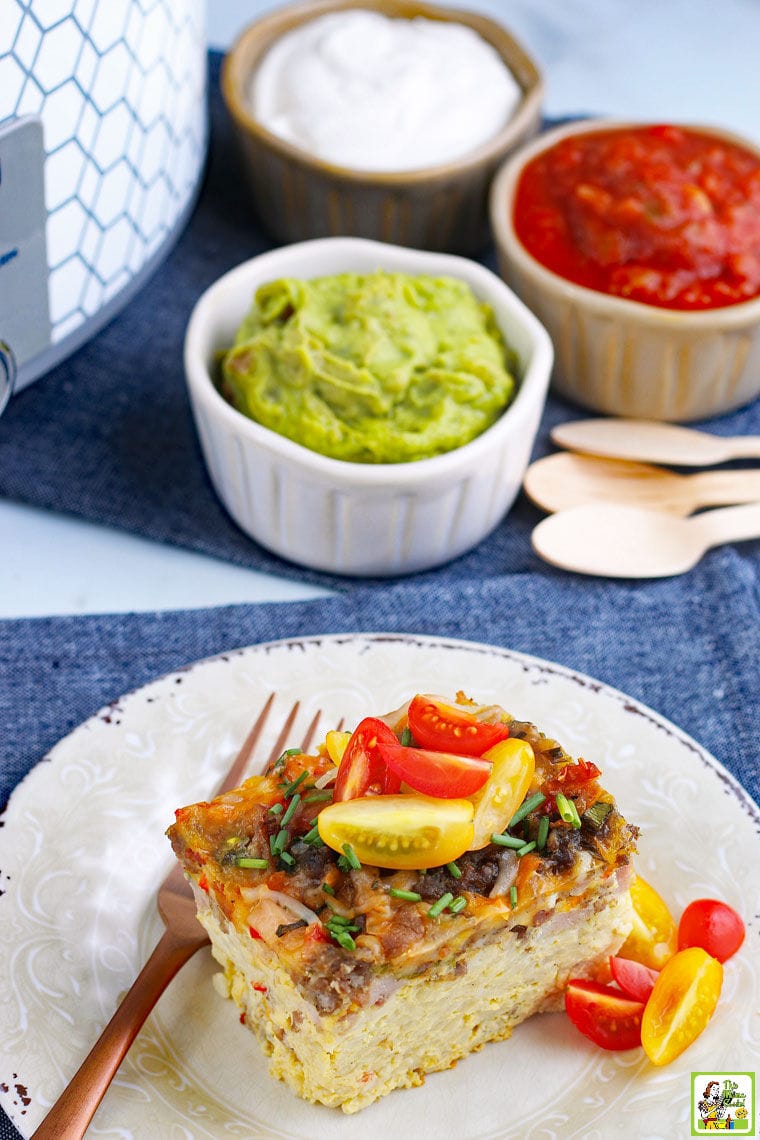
(636, 981)
(570, 778)
(444, 728)
(714, 926)
(439, 774)
(605, 1016)
(362, 770)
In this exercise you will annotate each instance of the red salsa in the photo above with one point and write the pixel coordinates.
(664, 215)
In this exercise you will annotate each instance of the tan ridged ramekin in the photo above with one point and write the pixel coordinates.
(361, 518)
(622, 357)
(298, 196)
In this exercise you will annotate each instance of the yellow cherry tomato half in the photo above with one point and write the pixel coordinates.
(654, 938)
(504, 790)
(681, 1004)
(401, 832)
(335, 743)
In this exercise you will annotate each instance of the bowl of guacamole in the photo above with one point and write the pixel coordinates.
(362, 408)
(378, 367)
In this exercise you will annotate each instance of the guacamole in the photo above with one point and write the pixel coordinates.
(372, 368)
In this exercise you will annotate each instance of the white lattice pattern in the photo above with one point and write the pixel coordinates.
(120, 88)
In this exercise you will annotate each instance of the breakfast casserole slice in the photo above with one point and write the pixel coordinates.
(412, 891)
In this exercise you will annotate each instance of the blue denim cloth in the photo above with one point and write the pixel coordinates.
(108, 434)
(690, 648)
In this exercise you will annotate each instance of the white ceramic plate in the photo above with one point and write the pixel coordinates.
(82, 851)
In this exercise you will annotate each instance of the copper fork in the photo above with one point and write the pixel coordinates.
(71, 1114)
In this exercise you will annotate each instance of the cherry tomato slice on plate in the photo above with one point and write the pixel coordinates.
(443, 728)
(654, 938)
(435, 773)
(681, 1004)
(636, 981)
(399, 832)
(714, 926)
(604, 1015)
(362, 768)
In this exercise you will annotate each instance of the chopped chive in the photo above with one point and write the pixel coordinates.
(318, 797)
(275, 809)
(339, 924)
(596, 815)
(453, 870)
(513, 897)
(280, 761)
(507, 840)
(280, 841)
(328, 889)
(341, 927)
(311, 835)
(246, 862)
(440, 905)
(410, 896)
(526, 848)
(287, 858)
(526, 808)
(273, 844)
(292, 807)
(567, 810)
(459, 903)
(543, 832)
(351, 857)
(343, 939)
(406, 737)
(291, 787)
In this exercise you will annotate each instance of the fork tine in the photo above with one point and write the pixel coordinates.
(235, 774)
(285, 731)
(309, 734)
(282, 740)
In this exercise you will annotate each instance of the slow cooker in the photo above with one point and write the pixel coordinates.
(103, 133)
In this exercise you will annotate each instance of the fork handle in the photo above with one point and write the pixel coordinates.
(72, 1112)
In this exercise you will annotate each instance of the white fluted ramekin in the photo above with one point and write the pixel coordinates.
(354, 518)
(622, 357)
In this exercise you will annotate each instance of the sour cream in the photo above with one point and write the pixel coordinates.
(364, 91)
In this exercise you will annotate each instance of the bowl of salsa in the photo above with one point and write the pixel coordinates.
(638, 247)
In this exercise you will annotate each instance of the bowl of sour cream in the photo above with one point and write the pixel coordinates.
(380, 119)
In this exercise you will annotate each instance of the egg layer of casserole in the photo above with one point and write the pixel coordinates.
(343, 1026)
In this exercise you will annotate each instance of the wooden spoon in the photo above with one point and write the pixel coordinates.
(651, 442)
(568, 480)
(627, 542)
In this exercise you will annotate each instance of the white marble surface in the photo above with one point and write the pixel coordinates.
(679, 60)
